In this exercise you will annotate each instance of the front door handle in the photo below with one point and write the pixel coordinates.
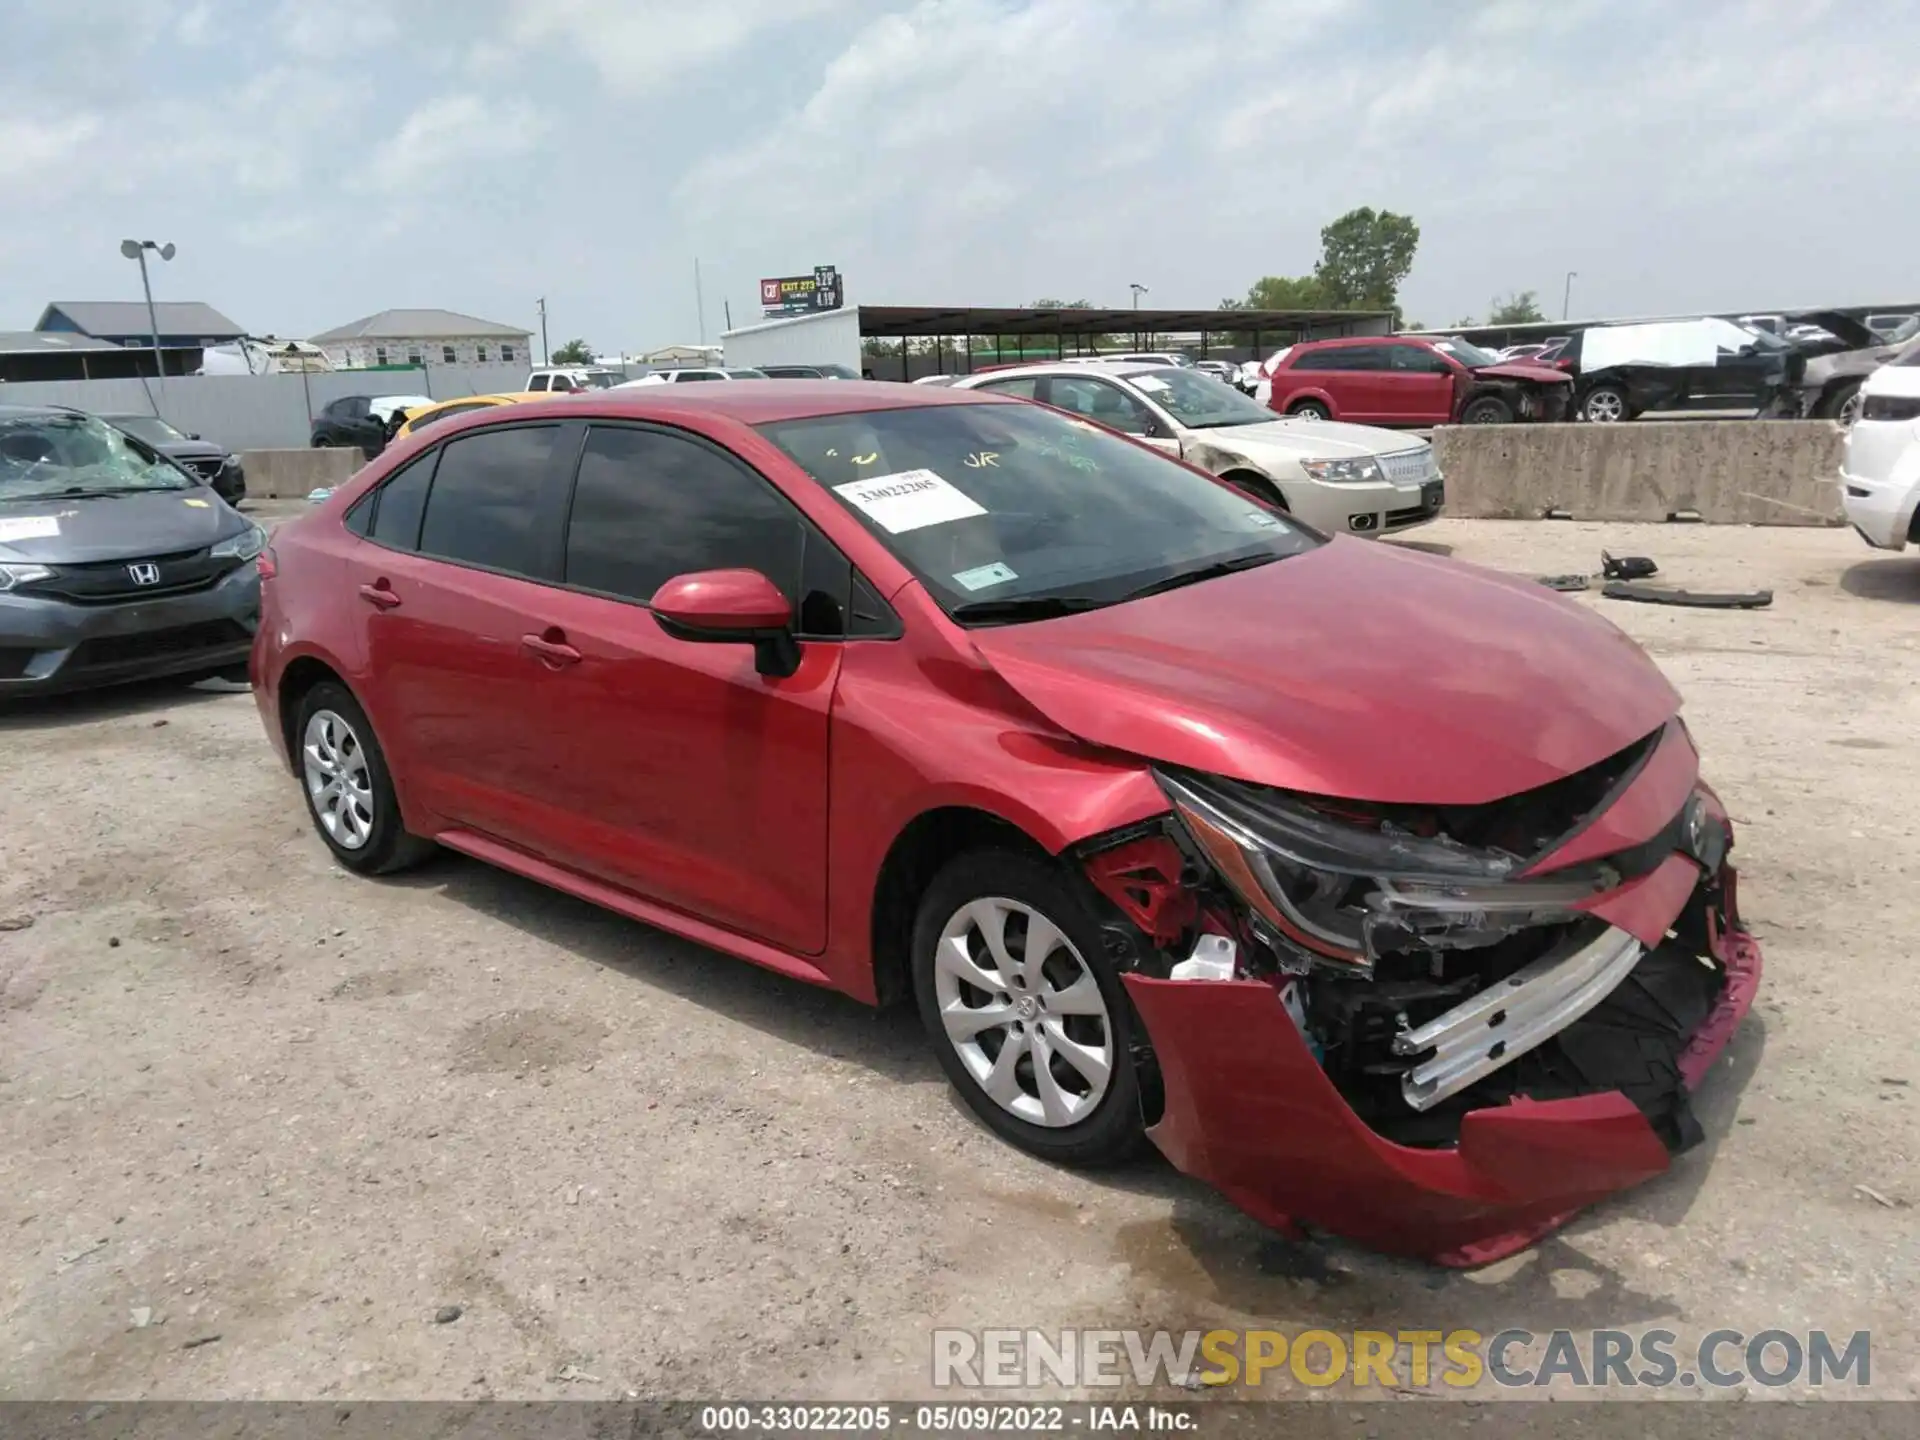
(379, 596)
(551, 652)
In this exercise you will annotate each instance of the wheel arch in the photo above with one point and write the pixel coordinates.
(299, 676)
(923, 846)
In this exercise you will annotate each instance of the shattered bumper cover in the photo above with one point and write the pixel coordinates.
(1249, 1110)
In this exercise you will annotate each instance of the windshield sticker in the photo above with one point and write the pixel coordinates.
(28, 527)
(981, 576)
(1150, 382)
(197, 504)
(1263, 519)
(908, 500)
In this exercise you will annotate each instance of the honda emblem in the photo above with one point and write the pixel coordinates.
(145, 573)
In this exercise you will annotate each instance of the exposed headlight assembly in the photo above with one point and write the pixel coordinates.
(244, 546)
(1345, 893)
(1361, 470)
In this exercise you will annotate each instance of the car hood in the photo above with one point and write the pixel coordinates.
(1526, 370)
(1851, 334)
(1304, 439)
(114, 527)
(193, 450)
(1357, 670)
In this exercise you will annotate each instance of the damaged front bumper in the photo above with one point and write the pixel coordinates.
(1449, 1085)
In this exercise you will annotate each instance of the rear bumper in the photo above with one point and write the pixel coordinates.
(1250, 1111)
(51, 646)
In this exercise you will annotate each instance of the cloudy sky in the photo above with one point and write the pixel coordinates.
(318, 160)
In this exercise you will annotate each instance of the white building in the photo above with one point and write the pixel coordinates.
(424, 338)
(831, 337)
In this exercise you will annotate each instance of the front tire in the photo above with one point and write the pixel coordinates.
(1258, 487)
(1027, 1015)
(348, 788)
(1487, 410)
(1843, 405)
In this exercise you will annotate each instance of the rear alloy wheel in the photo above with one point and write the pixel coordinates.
(1605, 406)
(1310, 410)
(1487, 410)
(349, 791)
(1028, 1018)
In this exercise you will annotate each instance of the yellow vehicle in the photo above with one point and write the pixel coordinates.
(446, 409)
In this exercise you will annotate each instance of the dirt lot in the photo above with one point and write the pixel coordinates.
(244, 1096)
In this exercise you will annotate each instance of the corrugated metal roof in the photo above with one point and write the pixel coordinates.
(129, 317)
(49, 342)
(418, 325)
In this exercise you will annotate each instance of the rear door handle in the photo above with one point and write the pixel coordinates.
(379, 596)
(554, 653)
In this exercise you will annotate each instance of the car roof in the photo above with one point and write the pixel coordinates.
(35, 412)
(1122, 369)
(757, 402)
(1341, 341)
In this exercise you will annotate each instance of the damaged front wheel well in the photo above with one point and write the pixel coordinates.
(917, 855)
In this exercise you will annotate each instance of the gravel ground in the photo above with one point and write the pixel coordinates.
(249, 1101)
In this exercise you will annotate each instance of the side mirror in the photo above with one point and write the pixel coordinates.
(193, 434)
(738, 607)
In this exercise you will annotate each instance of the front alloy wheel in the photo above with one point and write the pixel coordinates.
(1023, 1012)
(339, 786)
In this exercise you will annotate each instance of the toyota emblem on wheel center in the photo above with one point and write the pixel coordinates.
(145, 573)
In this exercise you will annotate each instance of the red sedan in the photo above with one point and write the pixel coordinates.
(1379, 891)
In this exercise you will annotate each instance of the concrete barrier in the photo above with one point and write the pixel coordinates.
(1728, 472)
(293, 474)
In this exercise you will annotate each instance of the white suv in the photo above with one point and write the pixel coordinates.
(690, 374)
(574, 377)
(1880, 473)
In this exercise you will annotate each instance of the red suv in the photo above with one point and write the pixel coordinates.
(1400, 380)
(1159, 805)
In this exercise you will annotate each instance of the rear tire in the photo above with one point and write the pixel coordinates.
(1310, 410)
(1039, 1043)
(1605, 405)
(348, 788)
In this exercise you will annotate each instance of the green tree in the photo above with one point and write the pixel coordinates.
(1285, 292)
(1520, 308)
(1364, 257)
(574, 352)
(1061, 305)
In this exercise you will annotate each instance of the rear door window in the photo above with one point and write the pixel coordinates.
(484, 503)
(1346, 358)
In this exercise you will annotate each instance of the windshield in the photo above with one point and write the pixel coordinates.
(1199, 401)
(839, 372)
(746, 374)
(600, 379)
(45, 455)
(1903, 332)
(150, 428)
(1466, 352)
(1008, 503)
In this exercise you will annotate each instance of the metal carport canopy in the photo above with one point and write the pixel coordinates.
(901, 322)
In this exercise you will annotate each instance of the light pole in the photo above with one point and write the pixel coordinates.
(1138, 290)
(544, 359)
(137, 250)
(1566, 295)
